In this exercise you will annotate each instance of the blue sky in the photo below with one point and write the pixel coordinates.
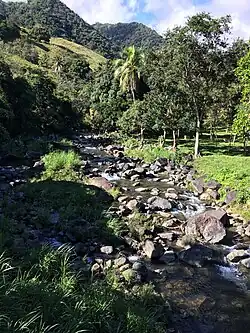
(162, 14)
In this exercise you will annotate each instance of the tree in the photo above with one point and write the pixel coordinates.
(128, 71)
(196, 60)
(40, 33)
(241, 125)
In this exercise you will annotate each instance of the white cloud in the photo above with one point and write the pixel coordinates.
(104, 11)
(169, 13)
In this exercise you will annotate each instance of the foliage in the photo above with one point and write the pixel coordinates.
(8, 31)
(134, 33)
(59, 160)
(231, 171)
(46, 296)
(40, 33)
(241, 125)
(128, 70)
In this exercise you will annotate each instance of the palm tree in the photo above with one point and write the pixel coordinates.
(128, 70)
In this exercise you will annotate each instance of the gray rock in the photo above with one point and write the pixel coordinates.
(159, 203)
(213, 185)
(171, 195)
(123, 198)
(207, 225)
(247, 231)
(155, 191)
(198, 185)
(135, 177)
(107, 249)
(132, 204)
(198, 255)
(230, 197)
(168, 257)
(237, 255)
(246, 262)
(153, 251)
(141, 189)
(120, 262)
(167, 236)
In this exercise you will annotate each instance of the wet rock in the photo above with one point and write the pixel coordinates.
(100, 182)
(198, 255)
(237, 255)
(140, 170)
(168, 257)
(246, 262)
(213, 185)
(159, 203)
(107, 249)
(95, 268)
(205, 196)
(230, 197)
(136, 184)
(208, 226)
(162, 162)
(198, 185)
(38, 164)
(153, 251)
(128, 173)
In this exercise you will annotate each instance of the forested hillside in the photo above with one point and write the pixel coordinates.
(60, 21)
(134, 33)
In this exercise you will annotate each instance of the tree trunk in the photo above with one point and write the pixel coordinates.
(174, 140)
(197, 137)
(133, 94)
(142, 136)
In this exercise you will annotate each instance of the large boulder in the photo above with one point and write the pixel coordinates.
(198, 185)
(209, 226)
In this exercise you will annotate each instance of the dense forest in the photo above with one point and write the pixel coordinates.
(134, 33)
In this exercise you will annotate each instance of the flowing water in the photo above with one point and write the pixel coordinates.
(213, 299)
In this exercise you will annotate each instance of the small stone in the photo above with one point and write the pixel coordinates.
(124, 267)
(237, 255)
(136, 184)
(171, 195)
(108, 264)
(230, 197)
(135, 177)
(123, 198)
(132, 204)
(246, 262)
(205, 196)
(141, 189)
(155, 191)
(247, 231)
(107, 249)
(167, 236)
(95, 268)
(153, 251)
(213, 185)
(159, 203)
(120, 262)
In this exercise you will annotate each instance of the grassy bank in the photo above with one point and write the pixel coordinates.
(233, 172)
(53, 290)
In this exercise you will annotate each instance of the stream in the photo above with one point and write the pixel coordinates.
(210, 299)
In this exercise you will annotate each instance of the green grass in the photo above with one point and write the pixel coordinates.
(94, 59)
(232, 172)
(46, 295)
(149, 153)
(61, 160)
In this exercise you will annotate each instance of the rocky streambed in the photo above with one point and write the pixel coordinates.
(193, 250)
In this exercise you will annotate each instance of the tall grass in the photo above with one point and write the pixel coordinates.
(58, 160)
(48, 296)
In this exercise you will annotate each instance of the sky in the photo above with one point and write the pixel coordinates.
(162, 14)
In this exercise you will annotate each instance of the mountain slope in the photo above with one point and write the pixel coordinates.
(61, 22)
(2, 9)
(126, 34)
